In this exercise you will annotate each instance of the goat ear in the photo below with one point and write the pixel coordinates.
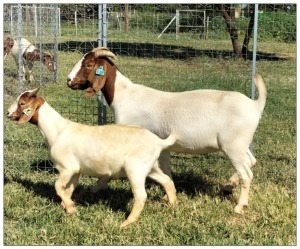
(26, 115)
(33, 92)
(97, 78)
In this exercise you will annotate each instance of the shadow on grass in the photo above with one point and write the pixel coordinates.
(186, 182)
(116, 199)
(154, 50)
(44, 166)
(194, 185)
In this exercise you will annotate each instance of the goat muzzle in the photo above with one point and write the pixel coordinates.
(78, 85)
(12, 116)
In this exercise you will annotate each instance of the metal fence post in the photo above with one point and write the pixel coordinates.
(254, 57)
(20, 59)
(102, 42)
(177, 24)
(56, 34)
(254, 49)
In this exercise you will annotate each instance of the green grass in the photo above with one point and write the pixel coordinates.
(203, 216)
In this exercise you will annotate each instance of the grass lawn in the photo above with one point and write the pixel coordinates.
(203, 216)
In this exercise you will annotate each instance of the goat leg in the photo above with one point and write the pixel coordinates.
(102, 183)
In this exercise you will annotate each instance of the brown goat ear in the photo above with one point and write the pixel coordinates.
(26, 115)
(97, 78)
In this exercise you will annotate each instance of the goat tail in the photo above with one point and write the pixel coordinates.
(170, 140)
(262, 91)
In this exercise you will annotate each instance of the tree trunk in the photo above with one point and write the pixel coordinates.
(232, 30)
(248, 34)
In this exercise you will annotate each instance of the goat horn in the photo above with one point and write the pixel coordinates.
(103, 51)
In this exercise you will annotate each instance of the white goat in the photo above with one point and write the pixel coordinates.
(204, 121)
(29, 54)
(114, 151)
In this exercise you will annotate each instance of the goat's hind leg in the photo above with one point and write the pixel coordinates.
(242, 161)
(137, 183)
(137, 167)
(235, 179)
(164, 180)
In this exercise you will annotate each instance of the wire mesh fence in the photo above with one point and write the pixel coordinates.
(33, 30)
(165, 46)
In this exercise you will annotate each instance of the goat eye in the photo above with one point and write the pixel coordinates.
(22, 103)
(89, 66)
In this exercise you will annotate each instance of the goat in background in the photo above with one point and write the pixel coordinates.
(29, 54)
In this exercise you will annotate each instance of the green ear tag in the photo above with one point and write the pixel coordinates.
(27, 111)
(100, 71)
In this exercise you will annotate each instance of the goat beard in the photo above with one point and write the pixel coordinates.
(89, 92)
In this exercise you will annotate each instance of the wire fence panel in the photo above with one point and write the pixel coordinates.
(39, 25)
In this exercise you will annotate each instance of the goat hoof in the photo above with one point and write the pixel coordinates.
(165, 198)
(71, 210)
(126, 223)
(173, 204)
(239, 209)
(172, 200)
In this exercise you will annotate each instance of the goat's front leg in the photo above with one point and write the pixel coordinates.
(101, 184)
(30, 66)
(64, 187)
(23, 76)
(72, 185)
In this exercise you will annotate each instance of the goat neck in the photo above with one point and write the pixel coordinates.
(51, 123)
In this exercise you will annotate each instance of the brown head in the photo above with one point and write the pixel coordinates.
(94, 72)
(25, 107)
(48, 60)
(8, 44)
